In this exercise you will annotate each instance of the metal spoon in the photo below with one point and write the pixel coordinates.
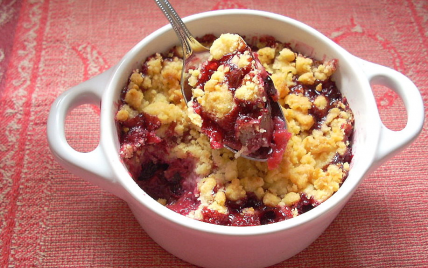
(195, 53)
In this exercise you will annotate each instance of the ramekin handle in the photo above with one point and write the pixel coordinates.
(392, 142)
(92, 166)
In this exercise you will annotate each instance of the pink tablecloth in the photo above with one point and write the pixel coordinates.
(51, 218)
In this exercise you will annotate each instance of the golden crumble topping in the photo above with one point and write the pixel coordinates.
(315, 162)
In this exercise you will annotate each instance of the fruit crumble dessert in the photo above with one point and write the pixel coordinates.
(169, 155)
(233, 99)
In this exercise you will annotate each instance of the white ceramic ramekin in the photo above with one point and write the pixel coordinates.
(224, 246)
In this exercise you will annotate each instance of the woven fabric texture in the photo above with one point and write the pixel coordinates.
(52, 218)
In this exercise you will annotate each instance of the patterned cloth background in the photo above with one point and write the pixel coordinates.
(51, 218)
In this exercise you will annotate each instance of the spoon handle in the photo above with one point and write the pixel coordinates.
(188, 42)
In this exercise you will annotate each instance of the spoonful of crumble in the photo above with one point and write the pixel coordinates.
(230, 95)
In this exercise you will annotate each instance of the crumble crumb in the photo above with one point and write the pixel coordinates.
(225, 44)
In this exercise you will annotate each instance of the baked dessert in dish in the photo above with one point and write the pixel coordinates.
(168, 153)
